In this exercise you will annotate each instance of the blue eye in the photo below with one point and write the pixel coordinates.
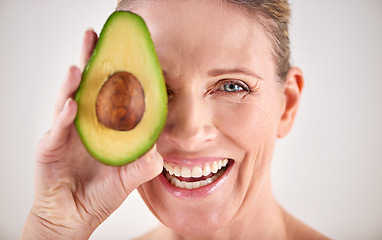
(232, 87)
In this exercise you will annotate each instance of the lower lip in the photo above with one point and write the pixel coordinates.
(200, 192)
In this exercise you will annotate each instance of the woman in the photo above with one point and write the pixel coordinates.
(231, 92)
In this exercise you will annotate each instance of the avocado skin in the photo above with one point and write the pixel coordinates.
(151, 129)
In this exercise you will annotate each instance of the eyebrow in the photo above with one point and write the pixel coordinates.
(240, 70)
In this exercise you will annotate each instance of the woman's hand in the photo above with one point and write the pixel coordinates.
(74, 193)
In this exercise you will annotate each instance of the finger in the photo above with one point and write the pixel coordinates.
(69, 86)
(49, 147)
(88, 45)
(142, 170)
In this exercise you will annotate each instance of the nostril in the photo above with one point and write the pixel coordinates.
(190, 138)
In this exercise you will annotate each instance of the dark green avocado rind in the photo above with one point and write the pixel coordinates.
(156, 133)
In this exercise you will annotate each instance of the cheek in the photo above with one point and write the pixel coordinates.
(251, 126)
(248, 124)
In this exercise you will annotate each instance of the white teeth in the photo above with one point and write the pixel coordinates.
(206, 170)
(169, 168)
(172, 172)
(209, 180)
(225, 162)
(203, 183)
(214, 167)
(195, 185)
(182, 184)
(176, 171)
(188, 185)
(185, 172)
(197, 172)
(174, 180)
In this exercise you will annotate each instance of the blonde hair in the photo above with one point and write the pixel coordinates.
(274, 15)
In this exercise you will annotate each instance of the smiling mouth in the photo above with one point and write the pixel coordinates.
(195, 177)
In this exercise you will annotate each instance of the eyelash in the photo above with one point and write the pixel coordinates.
(216, 89)
(243, 88)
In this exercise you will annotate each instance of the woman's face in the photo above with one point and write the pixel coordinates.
(224, 112)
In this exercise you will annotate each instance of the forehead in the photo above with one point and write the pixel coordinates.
(205, 32)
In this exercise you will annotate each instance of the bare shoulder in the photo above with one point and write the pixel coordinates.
(299, 230)
(153, 234)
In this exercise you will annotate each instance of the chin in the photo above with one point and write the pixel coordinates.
(193, 212)
(196, 221)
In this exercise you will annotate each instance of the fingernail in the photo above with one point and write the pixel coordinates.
(89, 29)
(151, 156)
(67, 103)
(73, 72)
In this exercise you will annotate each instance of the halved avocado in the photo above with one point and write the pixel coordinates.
(122, 98)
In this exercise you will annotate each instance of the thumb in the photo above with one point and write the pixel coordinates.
(142, 170)
(52, 145)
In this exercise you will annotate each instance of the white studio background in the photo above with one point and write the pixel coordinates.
(327, 172)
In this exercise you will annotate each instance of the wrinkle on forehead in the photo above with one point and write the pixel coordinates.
(203, 32)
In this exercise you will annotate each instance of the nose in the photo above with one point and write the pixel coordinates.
(190, 123)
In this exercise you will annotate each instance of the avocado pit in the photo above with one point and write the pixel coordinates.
(120, 103)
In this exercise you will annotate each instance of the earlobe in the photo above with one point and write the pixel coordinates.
(292, 93)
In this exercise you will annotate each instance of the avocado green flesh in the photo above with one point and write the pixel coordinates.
(124, 45)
